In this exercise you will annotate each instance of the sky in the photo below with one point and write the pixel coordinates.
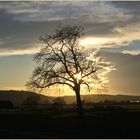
(111, 26)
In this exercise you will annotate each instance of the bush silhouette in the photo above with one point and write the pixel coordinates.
(32, 100)
(6, 104)
(59, 102)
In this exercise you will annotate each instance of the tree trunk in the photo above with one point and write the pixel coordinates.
(79, 102)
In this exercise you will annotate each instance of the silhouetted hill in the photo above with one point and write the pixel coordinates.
(19, 97)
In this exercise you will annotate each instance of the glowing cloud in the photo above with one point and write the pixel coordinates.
(124, 36)
(132, 52)
(96, 41)
(29, 51)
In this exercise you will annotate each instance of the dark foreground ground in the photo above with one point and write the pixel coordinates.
(65, 124)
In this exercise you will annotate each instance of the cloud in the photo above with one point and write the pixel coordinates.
(39, 11)
(1, 42)
(131, 7)
(44, 11)
(125, 79)
(106, 24)
(125, 36)
(132, 52)
(29, 51)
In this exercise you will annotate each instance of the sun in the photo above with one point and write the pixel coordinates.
(78, 76)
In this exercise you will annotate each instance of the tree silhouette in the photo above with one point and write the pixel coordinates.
(63, 61)
(59, 102)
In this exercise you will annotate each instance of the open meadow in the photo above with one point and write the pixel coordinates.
(100, 121)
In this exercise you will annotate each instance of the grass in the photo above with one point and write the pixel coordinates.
(64, 123)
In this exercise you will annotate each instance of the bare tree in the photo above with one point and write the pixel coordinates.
(63, 61)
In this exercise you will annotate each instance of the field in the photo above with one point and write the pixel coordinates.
(101, 121)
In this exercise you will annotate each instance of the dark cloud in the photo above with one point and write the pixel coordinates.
(131, 7)
(22, 23)
(18, 35)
